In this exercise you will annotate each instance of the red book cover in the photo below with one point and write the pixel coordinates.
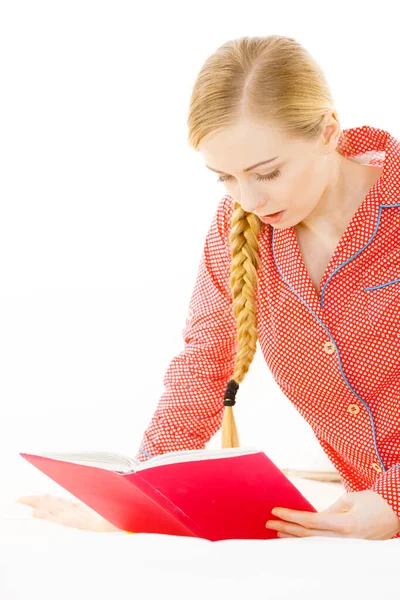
(220, 498)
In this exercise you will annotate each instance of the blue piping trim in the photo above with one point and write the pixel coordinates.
(376, 287)
(146, 453)
(357, 253)
(327, 330)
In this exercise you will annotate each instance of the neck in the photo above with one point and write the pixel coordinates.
(348, 186)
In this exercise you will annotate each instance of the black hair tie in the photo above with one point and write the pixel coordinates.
(230, 393)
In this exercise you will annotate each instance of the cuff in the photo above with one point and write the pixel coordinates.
(388, 486)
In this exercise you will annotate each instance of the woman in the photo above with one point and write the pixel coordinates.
(318, 286)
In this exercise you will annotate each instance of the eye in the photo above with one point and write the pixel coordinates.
(270, 176)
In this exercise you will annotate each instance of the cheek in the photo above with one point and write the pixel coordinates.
(305, 189)
(307, 179)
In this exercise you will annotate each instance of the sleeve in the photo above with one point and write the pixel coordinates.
(190, 411)
(388, 486)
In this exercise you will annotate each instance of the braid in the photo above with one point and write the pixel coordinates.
(243, 241)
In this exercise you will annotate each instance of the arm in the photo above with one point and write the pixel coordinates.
(190, 411)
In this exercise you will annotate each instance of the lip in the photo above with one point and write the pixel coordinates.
(273, 217)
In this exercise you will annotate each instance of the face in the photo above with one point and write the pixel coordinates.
(294, 180)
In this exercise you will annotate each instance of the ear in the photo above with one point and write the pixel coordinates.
(330, 132)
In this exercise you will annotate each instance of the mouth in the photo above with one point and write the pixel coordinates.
(273, 218)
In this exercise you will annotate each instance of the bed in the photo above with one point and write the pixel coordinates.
(42, 559)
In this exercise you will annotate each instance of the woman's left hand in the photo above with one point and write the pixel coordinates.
(362, 514)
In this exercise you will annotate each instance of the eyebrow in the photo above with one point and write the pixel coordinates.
(263, 162)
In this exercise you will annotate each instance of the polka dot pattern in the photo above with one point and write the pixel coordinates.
(333, 354)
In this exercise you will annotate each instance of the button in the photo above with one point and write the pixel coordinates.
(353, 409)
(377, 467)
(329, 347)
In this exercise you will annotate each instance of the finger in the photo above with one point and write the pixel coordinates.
(45, 515)
(66, 501)
(324, 520)
(30, 500)
(344, 502)
(44, 499)
(299, 531)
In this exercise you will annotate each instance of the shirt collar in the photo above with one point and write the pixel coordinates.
(375, 147)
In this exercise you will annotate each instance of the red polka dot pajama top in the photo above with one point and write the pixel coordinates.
(344, 377)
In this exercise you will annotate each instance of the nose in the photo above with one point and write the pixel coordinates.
(259, 209)
(250, 200)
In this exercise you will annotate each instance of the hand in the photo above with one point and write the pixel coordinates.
(362, 514)
(65, 512)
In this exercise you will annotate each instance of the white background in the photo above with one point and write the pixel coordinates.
(105, 208)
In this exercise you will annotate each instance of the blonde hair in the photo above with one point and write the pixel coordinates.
(269, 78)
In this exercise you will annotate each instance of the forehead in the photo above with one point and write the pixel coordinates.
(234, 149)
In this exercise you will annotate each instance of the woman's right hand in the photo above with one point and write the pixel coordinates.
(66, 512)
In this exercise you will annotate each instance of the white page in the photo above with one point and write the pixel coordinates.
(119, 462)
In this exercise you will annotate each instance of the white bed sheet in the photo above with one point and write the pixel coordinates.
(41, 559)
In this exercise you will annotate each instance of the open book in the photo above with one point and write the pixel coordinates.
(220, 494)
(127, 464)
